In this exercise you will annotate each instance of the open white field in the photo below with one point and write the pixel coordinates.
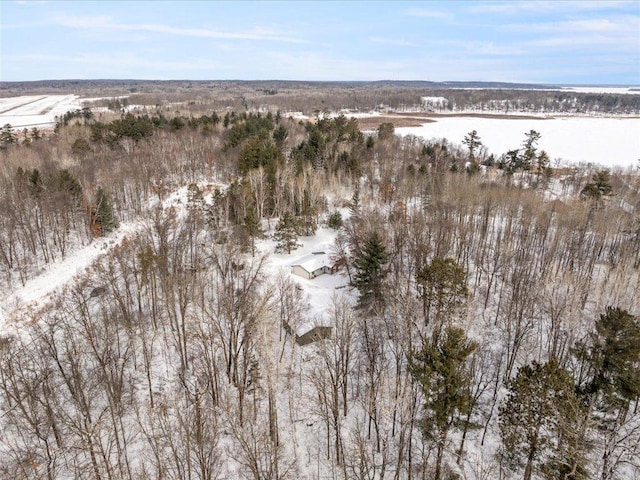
(36, 110)
(612, 142)
(598, 89)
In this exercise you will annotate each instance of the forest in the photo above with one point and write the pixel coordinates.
(484, 311)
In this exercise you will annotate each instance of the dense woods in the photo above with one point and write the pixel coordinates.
(489, 326)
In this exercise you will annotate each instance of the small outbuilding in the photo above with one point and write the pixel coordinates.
(315, 334)
(312, 265)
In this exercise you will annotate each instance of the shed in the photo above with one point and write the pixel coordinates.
(315, 334)
(312, 265)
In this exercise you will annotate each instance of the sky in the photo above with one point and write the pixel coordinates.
(587, 42)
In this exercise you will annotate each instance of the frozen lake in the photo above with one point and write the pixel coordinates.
(607, 141)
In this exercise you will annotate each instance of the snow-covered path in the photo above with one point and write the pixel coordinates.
(38, 291)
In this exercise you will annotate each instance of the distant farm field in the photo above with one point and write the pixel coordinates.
(35, 110)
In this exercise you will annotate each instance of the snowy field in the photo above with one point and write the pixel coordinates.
(598, 89)
(612, 142)
(36, 110)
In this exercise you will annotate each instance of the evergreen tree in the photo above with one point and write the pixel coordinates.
(252, 228)
(512, 161)
(286, 234)
(335, 221)
(473, 142)
(7, 136)
(441, 370)
(354, 205)
(35, 182)
(611, 357)
(307, 217)
(599, 186)
(530, 149)
(280, 134)
(538, 418)
(369, 276)
(610, 378)
(104, 220)
(543, 162)
(66, 183)
(370, 143)
(386, 130)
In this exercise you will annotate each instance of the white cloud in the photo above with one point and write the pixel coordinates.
(118, 61)
(522, 7)
(103, 22)
(428, 13)
(618, 25)
(391, 41)
(479, 48)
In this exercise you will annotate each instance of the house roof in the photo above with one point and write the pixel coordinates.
(313, 261)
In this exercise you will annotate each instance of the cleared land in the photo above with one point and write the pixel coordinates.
(35, 110)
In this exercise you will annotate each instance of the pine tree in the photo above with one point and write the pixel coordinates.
(7, 136)
(441, 370)
(286, 234)
(104, 220)
(252, 228)
(610, 359)
(473, 142)
(530, 149)
(386, 130)
(611, 356)
(307, 217)
(537, 421)
(369, 276)
(599, 186)
(335, 220)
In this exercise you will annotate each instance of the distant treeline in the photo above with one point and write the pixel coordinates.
(310, 97)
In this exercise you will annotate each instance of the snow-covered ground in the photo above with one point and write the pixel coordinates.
(318, 291)
(36, 110)
(36, 292)
(635, 90)
(606, 141)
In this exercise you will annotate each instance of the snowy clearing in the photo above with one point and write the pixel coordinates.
(36, 110)
(612, 142)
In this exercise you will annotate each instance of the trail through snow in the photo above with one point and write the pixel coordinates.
(37, 292)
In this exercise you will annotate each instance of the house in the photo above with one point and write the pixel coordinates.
(313, 335)
(312, 265)
(432, 104)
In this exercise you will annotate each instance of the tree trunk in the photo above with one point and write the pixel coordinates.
(528, 470)
(442, 438)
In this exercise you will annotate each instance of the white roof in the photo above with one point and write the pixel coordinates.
(313, 261)
(435, 100)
